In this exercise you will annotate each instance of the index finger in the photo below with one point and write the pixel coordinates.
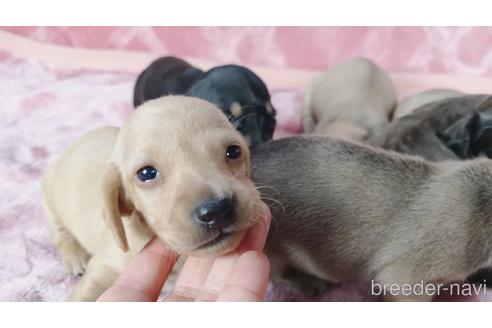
(208, 274)
(256, 237)
(144, 277)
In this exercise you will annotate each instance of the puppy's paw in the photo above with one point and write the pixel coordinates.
(74, 258)
(312, 286)
(303, 282)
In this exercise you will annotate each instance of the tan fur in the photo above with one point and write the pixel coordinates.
(100, 213)
(236, 110)
(349, 101)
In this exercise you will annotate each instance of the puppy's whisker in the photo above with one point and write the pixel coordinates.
(271, 199)
(276, 201)
(235, 123)
(259, 208)
(247, 106)
(259, 186)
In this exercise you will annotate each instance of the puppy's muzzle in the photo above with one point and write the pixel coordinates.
(215, 214)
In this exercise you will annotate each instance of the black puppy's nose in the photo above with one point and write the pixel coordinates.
(215, 214)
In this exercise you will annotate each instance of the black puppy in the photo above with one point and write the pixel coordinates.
(442, 130)
(469, 137)
(236, 90)
(165, 76)
(243, 97)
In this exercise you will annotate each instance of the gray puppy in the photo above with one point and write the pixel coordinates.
(411, 103)
(441, 130)
(349, 212)
(457, 128)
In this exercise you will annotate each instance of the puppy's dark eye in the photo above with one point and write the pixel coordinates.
(147, 173)
(233, 152)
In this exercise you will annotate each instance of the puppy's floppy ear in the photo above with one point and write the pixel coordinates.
(111, 194)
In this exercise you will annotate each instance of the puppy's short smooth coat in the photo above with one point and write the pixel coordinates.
(471, 136)
(351, 101)
(458, 127)
(244, 99)
(196, 194)
(165, 76)
(347, 212)
(241, 95)
(440, 130)
(411, 103)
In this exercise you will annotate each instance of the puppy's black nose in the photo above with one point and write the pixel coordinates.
(215, 214)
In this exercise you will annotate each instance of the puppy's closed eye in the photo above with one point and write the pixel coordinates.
(147, 173)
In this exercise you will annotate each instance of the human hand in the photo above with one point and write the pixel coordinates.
(238, 276)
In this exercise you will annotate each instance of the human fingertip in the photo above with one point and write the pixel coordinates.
(249, 279)
(256, 257)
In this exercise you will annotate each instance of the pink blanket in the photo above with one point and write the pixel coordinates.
(43, 111)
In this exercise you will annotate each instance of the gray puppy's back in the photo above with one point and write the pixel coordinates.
(343, 211)
(326, 193)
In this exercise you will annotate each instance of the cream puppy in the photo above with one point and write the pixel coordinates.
(350, 101)
(177, 169)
